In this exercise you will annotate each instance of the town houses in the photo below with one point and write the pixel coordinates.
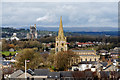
(87, 61)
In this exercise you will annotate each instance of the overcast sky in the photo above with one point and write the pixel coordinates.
(47, 14)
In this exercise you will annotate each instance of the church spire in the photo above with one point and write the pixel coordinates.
(60, 33)
(60, 44)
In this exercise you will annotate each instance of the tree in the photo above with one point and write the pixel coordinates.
(51, 59)
(52, 45)
(63, 59)
(3, 55)
(45, 56)
(52, 51)
(5, 46)
(11, 45)
(31, 55)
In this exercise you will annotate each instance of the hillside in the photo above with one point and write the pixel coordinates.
(21, 33)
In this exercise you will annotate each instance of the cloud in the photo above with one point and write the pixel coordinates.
(92, 19)
(42, 18)
(60, 0)
(48, 14)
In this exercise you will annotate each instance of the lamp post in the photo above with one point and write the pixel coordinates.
(25, 69)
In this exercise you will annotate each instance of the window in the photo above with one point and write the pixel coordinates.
(81, 60)
(95, 59)
(57, 44)
(85, 59)
(90, 60)
(56, 49)
(61, 49)
(62, 44)
(72, 60)
(76, 60)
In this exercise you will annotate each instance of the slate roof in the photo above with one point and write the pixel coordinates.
(88, 73)
(82, 74)
(41, 72)
(88, 55)
(66, 73)
(104, 63)
(16, 73)
(87, 62)
(83, 51)
(118, 74)
(115, 53)
(54, 75)
(104, 74)
(103, 51)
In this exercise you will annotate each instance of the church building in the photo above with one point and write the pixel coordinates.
(83, 55)
(61, 44)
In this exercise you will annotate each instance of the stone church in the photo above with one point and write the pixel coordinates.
(83, 55)
(61, 44)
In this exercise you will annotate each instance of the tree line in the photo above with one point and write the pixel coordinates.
(55, 62)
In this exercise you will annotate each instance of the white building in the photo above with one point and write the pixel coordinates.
(83, 66)
(14, 37)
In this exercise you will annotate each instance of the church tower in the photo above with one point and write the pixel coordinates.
(61, 44)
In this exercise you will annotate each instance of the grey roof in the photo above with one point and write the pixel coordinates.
(83, 50)
(66, 73)
(118, 74)
(115, 53)
(104, 63)
(41, 72)
(16, 73)
(54, 75)
(104, 74)
(103, 51)
(88, 74)
(87, 55)
(87, 62)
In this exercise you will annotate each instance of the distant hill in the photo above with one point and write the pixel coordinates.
(78, 29)
(106, 33)
(42, 32)
(74, 29)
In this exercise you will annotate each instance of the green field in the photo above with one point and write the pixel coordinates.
(6, 53)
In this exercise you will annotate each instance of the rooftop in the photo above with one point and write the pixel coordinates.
(16, 73)
(54, 75)
(41, 72)
(83, 50)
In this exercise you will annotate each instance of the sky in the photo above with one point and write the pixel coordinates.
(47, 14)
